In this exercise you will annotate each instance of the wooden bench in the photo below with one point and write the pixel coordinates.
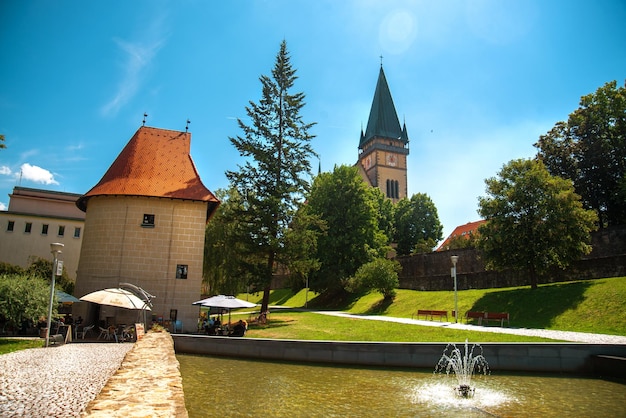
(497, 316)
(474, 315)
(429, 314)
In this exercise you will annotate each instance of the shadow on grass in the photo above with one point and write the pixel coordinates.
(380, 307)
(336, 301)
(534, 308)
(280, 296)
(272, 324)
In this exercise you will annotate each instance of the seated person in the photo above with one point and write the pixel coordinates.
(209, 326)
(239, 329)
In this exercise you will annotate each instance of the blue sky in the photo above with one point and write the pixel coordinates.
(476, 81)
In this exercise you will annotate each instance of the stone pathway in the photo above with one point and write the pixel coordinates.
(148, 384)
(56, 381)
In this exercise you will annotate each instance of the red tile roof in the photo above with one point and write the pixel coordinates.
(462, 231)
(156, 163)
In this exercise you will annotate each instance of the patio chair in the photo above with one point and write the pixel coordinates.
(126, 334)
(85, 330)
(104, 333)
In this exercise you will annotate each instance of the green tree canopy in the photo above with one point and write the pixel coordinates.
(417, 226)
(24, 297)
(535, 221)
(225, 260)
(349, 209)
(590, 149)
(277, 170)
(42, 268)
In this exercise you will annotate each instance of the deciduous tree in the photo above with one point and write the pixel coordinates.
(349, 209)
(590, 149)
(23, 297)
(417, 226)
(535, 221)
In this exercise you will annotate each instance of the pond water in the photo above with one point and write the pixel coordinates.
(227, 387)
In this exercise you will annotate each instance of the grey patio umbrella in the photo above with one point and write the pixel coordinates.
(225, 302)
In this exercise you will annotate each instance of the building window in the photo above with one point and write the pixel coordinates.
(76, 232)
(181, 271)
(10, 226)
(44, 229)
(28, 227)
(148, 220)
(393, 189)
(61, 230)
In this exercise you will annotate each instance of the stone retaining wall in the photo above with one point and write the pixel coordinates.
(148, 383)
(576, 358)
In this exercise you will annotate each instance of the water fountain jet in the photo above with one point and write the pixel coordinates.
(463, 366)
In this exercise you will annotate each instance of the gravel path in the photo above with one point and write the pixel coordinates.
(56, 381)
(580, 337)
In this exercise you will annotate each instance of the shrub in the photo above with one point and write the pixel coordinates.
(380, 275)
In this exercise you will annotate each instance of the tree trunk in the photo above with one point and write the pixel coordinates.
(533, 277)
(268, 282)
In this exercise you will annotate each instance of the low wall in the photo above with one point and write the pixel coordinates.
(431, 271)
(147, 384)
(536, 357)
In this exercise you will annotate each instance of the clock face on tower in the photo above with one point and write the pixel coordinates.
(392, 160)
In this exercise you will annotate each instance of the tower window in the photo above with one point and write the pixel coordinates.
(44, 229)
(148, 220)
(10, 226)
(393, 189)
(181, 271)
(77, 232)
(61, 230)
(28, 227)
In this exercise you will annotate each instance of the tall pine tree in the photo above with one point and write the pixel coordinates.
(277, 169)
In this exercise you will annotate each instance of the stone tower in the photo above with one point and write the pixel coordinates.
(384, 146)
(144, 224)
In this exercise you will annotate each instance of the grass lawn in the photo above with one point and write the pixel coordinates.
(8, 345)
(313, 326)
(585, 306)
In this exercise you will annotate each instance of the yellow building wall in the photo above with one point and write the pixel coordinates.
(117, 248)
(18, 247)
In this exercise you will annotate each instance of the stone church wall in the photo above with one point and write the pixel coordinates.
(432, 271)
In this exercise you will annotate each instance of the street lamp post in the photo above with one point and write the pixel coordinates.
(56, 249)
(454, 259)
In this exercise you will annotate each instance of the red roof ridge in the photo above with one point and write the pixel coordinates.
(462, 230)
(154, 163)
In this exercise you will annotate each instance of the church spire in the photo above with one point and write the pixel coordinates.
(383, 120)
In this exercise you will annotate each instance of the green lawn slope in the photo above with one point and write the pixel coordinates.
(597, 306)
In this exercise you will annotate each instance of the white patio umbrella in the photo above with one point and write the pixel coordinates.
(225, 302)
(120, 298)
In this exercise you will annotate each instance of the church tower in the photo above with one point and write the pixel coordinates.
(384, 146)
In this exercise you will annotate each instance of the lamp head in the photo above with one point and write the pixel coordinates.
(454, 259)
(56, 247)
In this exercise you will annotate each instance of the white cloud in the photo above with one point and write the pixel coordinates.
(3, 206)
(36, 174)
(5, 171)
(138, 57)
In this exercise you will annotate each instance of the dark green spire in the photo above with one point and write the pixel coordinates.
(383, 121)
